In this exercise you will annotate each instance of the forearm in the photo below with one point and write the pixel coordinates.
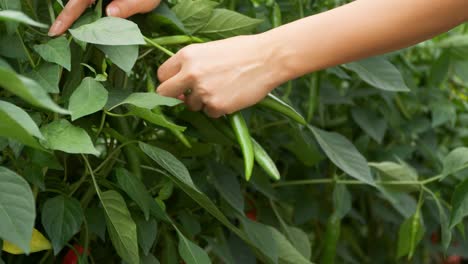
(358, 30)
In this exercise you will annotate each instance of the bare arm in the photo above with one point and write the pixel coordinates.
(231, 74)
(362, 29)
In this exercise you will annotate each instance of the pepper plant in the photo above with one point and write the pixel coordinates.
(361, 163)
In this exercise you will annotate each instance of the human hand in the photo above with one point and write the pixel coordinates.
(223, 76)
(118, 8)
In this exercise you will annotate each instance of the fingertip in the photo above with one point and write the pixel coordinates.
(113, 10)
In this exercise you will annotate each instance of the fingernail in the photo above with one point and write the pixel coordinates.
(113, 11)
(55, 29)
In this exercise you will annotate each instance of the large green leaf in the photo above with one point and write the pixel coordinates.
(123, 56)
(228, 186)
(380, 73)
(343, 154)
(147, 231)
(459, 203)
(47, 76)
(455, 161)
(135, 189)
(146, 100)
(56, 51)
(88, 98)
(17, 16)
(190, 252)
(194, 14)
(61, 135)
(372, 124)
(62, 218)
(122, 228)
(15, 123)
(111, 31)
(28, 90)
(17, 209)
(226, 23)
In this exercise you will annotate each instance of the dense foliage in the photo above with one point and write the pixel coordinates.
(96, 167)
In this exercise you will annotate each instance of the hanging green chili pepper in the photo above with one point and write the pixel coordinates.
(274, 103)
(276, 17)
(243, 138)
(332, 236)
(261, 156)
(264, 160)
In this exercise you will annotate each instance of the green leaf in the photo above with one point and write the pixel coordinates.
(459, 203)
(372, 124)
(146, 100)
(226, 23)
(17, 16)
(410, 234)
(454, 41)
(96, 221)
(455, 161)
(88, 98)
(155, 118)
(122, 228)
(341, 201)
(61, 135)
(442, 112)
(17, 209)
(190, 252)
(28, 90)
(111, 31)
(164, 17)
(380, 73)
(228, 186)
(194, 14)
(146, 231)
(62, 218)
(135, 189)
(56, 51)
(47, 76)
(444, 224)
(124, 57)
(399, 172)
(15, 123)
(343, 154)
(262, 236)
(300, 240)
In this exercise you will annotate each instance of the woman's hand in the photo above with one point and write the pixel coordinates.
(223, 76)
(118, 8)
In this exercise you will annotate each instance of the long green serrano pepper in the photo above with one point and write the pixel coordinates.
(242, 133)
(332, 236)
(264, 160)
(261, 156)
(274, 103)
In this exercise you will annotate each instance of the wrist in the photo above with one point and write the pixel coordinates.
(277, 57)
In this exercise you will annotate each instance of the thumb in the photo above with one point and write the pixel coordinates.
(127, 8)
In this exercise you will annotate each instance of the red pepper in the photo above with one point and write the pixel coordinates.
(455, 259)
(252, 214)
(435, 238)
(71, 257)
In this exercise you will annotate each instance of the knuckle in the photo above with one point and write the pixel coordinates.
(217, 105)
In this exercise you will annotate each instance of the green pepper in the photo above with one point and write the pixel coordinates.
(332, 236)
(274, 103)
(276, 17)
(245, 142)
(264, 160)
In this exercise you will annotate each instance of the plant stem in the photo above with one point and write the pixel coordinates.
(31, 61)
(161, 48)
(356, 182)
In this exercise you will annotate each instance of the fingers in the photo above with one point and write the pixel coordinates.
(127, 8)
(194, 102)
(70, 13)
(175, 86)
(170, 68)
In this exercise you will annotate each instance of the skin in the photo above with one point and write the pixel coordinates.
(117, 8)
(252, 66)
